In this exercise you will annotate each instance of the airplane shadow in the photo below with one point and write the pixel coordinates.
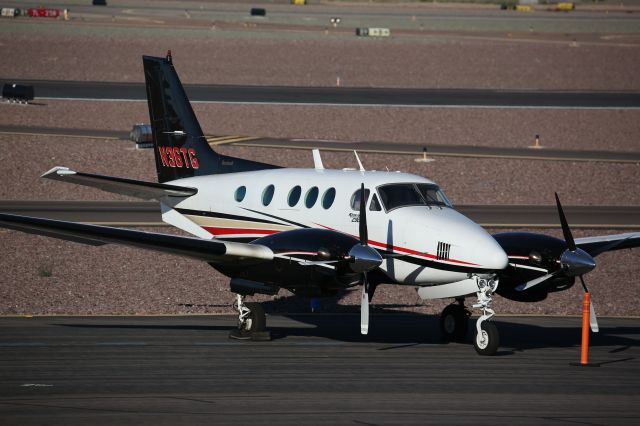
(400, 329)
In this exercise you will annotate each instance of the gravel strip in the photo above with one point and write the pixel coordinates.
(615, 130)
(226, 58)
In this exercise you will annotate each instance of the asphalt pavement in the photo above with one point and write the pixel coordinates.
(348, 96)
(317, 370)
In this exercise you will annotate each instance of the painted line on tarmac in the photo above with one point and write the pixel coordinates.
(120, 344)
(22, 344)
(365, 105)
(61, 135)
(223, 140)
(441, 154)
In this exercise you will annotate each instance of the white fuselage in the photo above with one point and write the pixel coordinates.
(430, 244)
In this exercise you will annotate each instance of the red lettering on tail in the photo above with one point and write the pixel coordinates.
(192, 157)
(178, 157)
(183, 151)
(163, 156)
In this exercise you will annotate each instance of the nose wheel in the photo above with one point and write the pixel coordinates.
(487, 339)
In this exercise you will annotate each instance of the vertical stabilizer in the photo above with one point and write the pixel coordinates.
(180, 147)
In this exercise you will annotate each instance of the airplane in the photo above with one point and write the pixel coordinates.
(316, 231)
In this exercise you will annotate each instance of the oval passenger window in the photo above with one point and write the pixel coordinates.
(328, 197)
(311, 197)
(267, 195)
(240, 193)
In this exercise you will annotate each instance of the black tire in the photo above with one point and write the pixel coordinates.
(488, 341)
(454, 323)
(257, 320)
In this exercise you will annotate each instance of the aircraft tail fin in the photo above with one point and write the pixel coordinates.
(181, 148)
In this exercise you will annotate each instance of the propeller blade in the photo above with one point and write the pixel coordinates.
(364, 306)
(364, 234)
(535, 282)
(568, 237)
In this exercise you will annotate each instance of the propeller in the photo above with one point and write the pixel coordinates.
(363, 260)
(574, 262)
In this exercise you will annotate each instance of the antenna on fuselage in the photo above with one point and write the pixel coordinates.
(359, 162)
(317, 160)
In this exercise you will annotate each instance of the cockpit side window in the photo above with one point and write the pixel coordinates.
(375, 204)
(433, 195)
(400, 195)
(356, 198)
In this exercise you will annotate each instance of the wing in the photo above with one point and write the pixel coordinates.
(133, 188)
(598, 245)
(212, 251)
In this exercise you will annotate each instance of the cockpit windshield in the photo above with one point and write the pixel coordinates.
(398, 195)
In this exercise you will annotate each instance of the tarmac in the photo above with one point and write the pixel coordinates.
(347, 96)
(316, 370)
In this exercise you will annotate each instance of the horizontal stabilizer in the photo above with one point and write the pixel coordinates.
(130, 187)
(212, 251)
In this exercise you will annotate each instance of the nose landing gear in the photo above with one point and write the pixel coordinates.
(487, 338)
(454, 320)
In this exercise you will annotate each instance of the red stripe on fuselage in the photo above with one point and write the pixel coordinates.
(238, 231)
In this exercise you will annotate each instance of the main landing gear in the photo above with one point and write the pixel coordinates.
(252, 321)
(454, 319)
(454, 322)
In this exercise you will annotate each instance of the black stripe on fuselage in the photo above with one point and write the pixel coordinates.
(276, 217)
(438, 265)
(224, 216)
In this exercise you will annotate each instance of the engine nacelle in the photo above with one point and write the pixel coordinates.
(308, 262)
(536, 253)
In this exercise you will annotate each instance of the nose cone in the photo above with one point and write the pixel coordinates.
(490, 254)
(471, 245)
(479, 246)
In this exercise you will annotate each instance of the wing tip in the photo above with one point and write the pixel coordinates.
(58, 171)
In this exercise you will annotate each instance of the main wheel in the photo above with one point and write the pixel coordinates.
(454, 323)
(488, 340)
(257, 320)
